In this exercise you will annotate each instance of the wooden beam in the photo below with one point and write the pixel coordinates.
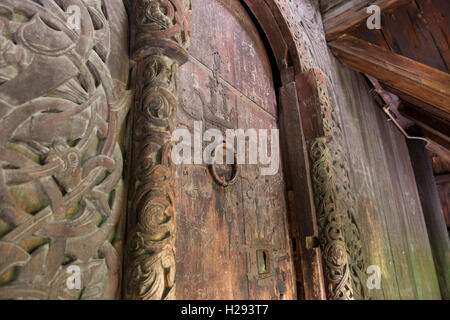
(443, 178)
(350, 14)
(438, 149)
(425, 120)
(420, 104)
(407, 76)
(433, 12)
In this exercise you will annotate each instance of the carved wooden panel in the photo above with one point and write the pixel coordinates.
(232, 243)
(63, 100)
(160, 32)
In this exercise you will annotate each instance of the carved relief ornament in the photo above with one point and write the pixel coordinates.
(339, 236)
(63, 100)
(160, 31)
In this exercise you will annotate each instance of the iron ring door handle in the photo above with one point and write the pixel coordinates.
(236, 170)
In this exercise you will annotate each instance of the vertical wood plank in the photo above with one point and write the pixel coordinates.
(435, 222)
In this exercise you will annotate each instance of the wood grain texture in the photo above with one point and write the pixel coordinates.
(389, 210)
(418, 30)
(410, 34)
(431, 204)
(404, 256)
(228, 84)
(303, 222)
(409, 78)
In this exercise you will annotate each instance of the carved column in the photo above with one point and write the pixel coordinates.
(160, 31)
(339, 236)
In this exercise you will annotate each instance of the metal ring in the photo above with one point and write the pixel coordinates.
(220, 181)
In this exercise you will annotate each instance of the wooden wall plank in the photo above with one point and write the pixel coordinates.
(397, 228)
(444, 195)
(437, 231)
(327, 5)
(419, 249)
(367, 163)
(389, 212)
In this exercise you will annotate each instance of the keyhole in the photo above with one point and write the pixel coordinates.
(263, 261)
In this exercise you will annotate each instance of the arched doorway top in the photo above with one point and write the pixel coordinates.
(288, 47)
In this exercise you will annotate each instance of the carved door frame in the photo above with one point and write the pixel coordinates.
(320, 198)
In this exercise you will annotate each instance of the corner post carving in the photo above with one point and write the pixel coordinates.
(340, 242)
(160, 32)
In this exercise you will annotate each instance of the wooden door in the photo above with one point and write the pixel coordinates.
(232, 243)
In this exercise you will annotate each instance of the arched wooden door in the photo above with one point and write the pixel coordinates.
(232, 243)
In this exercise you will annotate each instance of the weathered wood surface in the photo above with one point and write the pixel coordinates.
(227, 83)
(63, 100)
(413, 81)
(160, 35)
(340, 17)
(302, 214)
(389, 213)
(431, 204)
(418, 30)
(443, 185)
(334, 195)
(441, 170)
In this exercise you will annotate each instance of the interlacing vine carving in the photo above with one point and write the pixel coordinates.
(160, 37)
(334, 200)
(63, 100)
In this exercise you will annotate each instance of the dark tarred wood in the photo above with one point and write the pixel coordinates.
(441, 170)
(389, 212)
(228, 84)
(345, 16)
